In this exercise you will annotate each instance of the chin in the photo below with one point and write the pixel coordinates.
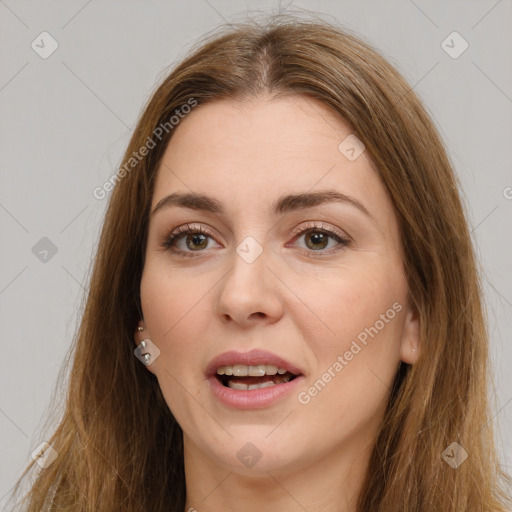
(253, 452)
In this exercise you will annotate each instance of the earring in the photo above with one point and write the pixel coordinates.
(147, 356)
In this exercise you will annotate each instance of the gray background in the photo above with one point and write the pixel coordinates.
(66, 120)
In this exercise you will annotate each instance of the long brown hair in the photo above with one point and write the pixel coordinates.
(119, 446)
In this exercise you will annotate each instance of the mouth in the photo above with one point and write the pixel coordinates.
(252, 380)
(245, 377)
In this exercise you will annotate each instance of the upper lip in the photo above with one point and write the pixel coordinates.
(251, 358)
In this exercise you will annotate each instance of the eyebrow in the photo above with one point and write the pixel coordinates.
(284, 204)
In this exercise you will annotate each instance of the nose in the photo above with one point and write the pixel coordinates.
(250, 293)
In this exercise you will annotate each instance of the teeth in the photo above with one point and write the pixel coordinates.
(242, 370)
(271, 369)
(246, 387)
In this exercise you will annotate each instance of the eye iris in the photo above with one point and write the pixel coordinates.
(317, 238)
(195, 237)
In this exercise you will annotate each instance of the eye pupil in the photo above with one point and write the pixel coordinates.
(317, 238)
(195, 237)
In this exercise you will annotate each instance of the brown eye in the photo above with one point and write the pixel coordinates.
(318, 239)
(187, 240)
(198, 239)
(194, 240)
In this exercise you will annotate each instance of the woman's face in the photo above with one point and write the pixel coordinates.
(293, 255)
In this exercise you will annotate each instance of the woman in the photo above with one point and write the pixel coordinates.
(285, 311)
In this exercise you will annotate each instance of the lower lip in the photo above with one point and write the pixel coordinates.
(253, 398)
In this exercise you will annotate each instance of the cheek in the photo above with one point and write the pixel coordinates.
(353, 304)
(357, 361)
(174, 310)
(169, 296)
(175, 313)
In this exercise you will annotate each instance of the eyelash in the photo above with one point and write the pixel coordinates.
(172, 238)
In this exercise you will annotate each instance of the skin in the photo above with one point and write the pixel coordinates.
(299, 300)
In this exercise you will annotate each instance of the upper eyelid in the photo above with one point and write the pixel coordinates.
(297, 230)
(312, 225)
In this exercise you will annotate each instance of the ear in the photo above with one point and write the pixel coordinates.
(141, 334)
(410, 345)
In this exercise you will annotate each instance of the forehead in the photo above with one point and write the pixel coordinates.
(248, 153)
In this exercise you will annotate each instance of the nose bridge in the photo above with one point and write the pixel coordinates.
(249, 288)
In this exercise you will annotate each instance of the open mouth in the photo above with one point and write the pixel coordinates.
(245, 378)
